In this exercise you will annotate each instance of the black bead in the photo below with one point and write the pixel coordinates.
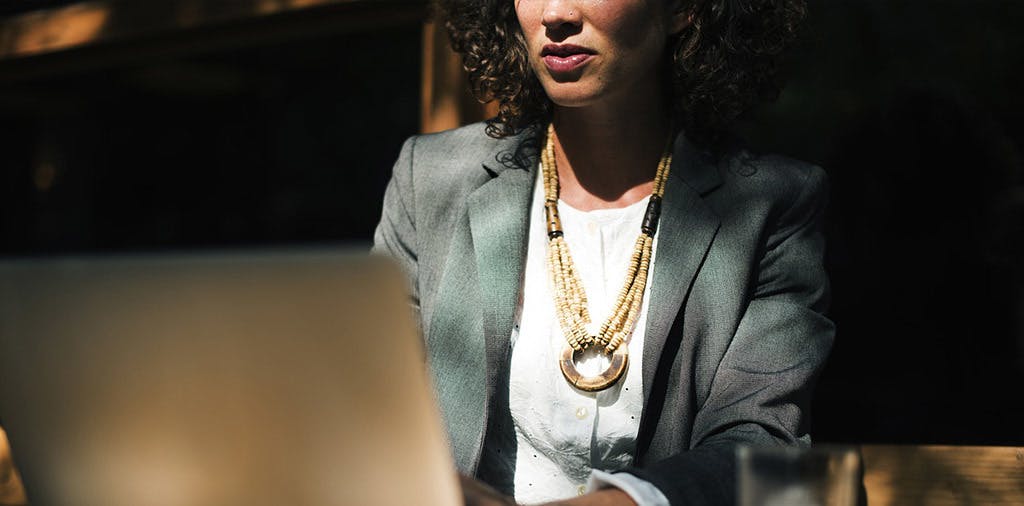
(650, 225)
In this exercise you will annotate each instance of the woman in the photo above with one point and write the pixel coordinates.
(604, 282)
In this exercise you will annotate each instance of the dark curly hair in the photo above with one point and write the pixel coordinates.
(720, 66)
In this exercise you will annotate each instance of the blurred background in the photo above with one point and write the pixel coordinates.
(174, 124)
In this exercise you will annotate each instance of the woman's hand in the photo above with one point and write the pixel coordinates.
(11, 490)
(477, 493)
(604, 497)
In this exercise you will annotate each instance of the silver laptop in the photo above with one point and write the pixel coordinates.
(218, 379)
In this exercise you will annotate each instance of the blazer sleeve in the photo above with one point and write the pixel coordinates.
(761, 391)
(395, 235)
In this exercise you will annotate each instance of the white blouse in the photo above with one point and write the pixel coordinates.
(563, 434)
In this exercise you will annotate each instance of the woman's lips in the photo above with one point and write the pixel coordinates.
(561, 58)
(566, 63)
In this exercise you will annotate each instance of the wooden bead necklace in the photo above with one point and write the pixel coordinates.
(571, 299)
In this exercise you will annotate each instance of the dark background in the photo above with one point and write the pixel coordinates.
(913, 108)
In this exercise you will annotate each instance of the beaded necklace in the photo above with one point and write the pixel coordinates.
(571, 299)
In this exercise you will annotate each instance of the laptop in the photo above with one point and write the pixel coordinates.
(271, 378)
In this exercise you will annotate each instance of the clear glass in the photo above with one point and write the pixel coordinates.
(779, 476)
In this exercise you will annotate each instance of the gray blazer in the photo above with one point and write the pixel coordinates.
(735, 331)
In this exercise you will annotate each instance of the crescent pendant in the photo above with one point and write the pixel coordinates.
(616, 369)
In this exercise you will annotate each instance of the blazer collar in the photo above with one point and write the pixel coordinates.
(695, 166)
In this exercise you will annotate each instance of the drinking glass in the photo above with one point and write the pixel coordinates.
(783, 476)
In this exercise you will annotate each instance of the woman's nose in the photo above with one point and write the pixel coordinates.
(558, 13)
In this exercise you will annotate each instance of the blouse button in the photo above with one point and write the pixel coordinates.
(581, 413)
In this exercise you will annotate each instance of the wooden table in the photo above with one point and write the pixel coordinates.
(943, 475)
(895, 475)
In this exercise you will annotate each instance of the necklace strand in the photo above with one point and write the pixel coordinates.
(569, 295)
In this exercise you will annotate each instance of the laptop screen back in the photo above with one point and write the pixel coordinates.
(218, 379)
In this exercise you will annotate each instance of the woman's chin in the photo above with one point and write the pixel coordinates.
(573, 97)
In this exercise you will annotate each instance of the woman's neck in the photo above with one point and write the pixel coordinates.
(607, 156)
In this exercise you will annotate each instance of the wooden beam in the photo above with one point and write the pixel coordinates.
(99, 34)
(100, 21)
(446, 101)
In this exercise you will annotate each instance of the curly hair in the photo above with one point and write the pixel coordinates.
(720, 65)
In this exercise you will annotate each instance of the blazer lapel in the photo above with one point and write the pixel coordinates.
(499, 213)
(685, 232)
(478, 292)
(478, 295)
